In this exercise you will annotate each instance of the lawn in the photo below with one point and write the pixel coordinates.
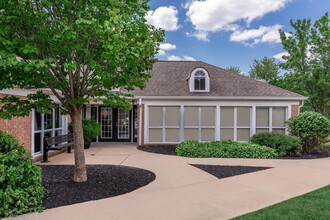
(313, 205)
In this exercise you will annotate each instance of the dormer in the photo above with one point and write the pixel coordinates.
(199, 80)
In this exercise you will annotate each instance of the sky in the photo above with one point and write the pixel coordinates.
(228, 32)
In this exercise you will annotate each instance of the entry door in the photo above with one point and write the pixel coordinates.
(116, 124)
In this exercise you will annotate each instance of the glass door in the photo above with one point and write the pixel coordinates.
(123, 124)
(106, 122)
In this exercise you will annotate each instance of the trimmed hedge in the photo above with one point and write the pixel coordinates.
(223, 149)
(283, 144)
(20, 180)
(311, 128)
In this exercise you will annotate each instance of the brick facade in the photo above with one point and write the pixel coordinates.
(20, 127)
(294, 110)
(139, 109)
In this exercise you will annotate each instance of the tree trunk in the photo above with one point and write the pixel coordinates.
(80, 174)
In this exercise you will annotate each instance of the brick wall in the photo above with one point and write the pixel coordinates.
(294, 110)
(20, 127)
(139, 109)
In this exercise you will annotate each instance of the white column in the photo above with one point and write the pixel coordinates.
(253, 122)
(217, 123)
(181, 129)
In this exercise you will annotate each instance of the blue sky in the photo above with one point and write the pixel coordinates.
(228, 32)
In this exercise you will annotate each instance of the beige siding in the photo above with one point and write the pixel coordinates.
(155, 116)
(243, 116)
(172, 135)
(207, 134)
(227, 134)
(227, 117)
(262, 117)
(155, 135)
(278, 117)
(208, 116)
(191, 116)
(172, 116)
(191, 134)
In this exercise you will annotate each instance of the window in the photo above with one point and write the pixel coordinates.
(271, 119)
(45, 125)
(199, 81)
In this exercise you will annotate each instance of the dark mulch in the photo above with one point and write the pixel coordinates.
(220, 171)
(170, 150)
(104, 181)
(159, 149)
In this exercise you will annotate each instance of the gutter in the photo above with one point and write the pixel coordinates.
(222, 98)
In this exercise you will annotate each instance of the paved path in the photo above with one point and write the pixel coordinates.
(181, 191)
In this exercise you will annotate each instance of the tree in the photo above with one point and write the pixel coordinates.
(309, 60)
(79, 50)
(266, 69)
(234, 69)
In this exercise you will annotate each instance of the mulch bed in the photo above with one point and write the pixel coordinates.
(221, 172)
(104, 181)
(170, 150)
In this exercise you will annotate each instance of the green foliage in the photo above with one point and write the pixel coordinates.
(224, 149)
(283, 144)
(311, 128)
(91, 128)
(234, 69)
(308, 61)
(20, 180)
(77, 49)
(266, 69)
(313, 205)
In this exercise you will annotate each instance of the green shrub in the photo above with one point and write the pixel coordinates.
(224, 149)
(20, 180)
(283, 144)
(91, 128)
(311, 128)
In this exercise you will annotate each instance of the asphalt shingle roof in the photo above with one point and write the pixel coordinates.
(170, 78)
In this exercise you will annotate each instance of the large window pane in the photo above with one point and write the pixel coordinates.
(48, 121)
(227, 134)
(262, 117)
(172, 135)
(37, 142)
(243, 116)
(278, 116)
(262, 130)
(155, 116)
(207, 134)
(37, 121)
(279, 130)
(191, 134)
(155, 135)
(227, 116)
(172, 116)
(191, 116)
(58, 118)
(208, 116)
(243, 134)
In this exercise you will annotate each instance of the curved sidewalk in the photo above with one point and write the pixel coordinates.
(181, 191)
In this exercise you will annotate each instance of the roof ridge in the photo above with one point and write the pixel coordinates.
(251, 79)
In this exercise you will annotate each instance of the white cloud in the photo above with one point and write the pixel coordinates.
(164, 17)
(199, 35)
(177, 58)
(263, 34)
(279, 56)
(165, 47)
(221, 15)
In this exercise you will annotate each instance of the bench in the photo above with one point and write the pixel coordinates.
(57, 143)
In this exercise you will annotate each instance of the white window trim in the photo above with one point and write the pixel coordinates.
(192, 80)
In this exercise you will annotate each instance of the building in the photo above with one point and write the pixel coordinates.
(184, 100)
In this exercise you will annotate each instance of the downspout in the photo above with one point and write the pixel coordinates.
(301, 105)
(140, 121)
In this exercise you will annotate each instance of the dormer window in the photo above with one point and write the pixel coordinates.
(199, 81)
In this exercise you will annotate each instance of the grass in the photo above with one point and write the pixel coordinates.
(313, 205)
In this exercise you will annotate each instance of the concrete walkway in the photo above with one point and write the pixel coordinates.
(181, 191)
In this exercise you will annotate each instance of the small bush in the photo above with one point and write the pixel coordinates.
(311, 128)
(283, 144)
(20, 180)
(91, 128)
(224, 149)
